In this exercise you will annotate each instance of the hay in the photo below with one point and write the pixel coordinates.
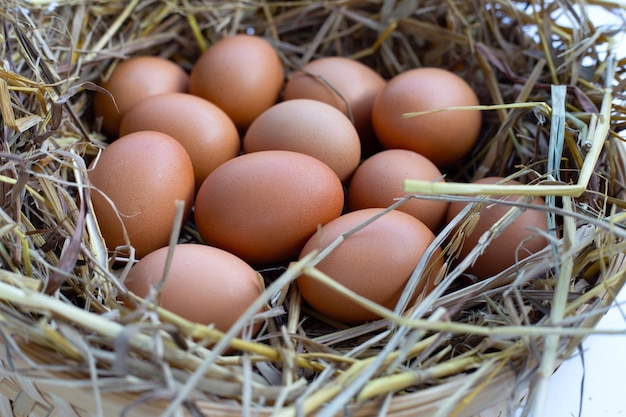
(70, 345)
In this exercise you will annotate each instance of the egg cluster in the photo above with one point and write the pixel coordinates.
(269, 171)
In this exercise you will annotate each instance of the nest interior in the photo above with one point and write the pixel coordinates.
(59, 315)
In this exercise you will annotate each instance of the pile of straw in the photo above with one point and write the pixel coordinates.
(69, 346)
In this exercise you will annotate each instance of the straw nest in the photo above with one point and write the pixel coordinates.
(69, 346)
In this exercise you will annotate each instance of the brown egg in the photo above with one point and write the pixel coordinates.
(131, 81)
(242, 74)
(143, 174)
(205, 285)
(518, 241)
(310, 127)
(375, 262)
(444, 137)
(357, 84)
(263, 206)
(379, 182)
(206, 132)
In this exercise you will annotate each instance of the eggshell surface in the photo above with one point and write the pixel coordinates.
(204, 284)
(444, 137)
(241, 74)
(379, 182)
(206, 132)
(375, 262)
(344, 83)
(142, 174)
(310, 127)
(263, 206)
(133, 80)
(518, 241)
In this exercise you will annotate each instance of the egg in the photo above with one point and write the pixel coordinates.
(263, 206)
(344, 83)
(206, 132)
(136, 182)
(241, 74)
(444, 137)
(379, 182)
(203, 284)
(131, 81)
(310, 127)
(376, 262)
(519, 240)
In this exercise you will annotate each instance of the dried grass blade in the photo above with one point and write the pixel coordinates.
(460, 399)
(557, 313)
(557, 131)
(113, 29)
(38, 302)
(70, 255)
(6, 108)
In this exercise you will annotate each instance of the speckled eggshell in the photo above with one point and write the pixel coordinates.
(143, 174)
(130, 82)
(207, 133)
(518, 241)
(375, 262)
(241, 74)
(379, 182)
(204, 284)
(444, 137)
(310, 127)
(340, 82)
(263, 206)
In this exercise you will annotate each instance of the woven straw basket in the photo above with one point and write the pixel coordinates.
(467, 349)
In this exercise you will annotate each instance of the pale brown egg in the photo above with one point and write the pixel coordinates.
(203, 284)
(444, 137)
(206, 132)
(130, 82)
(518, 241)
(242, 74)
(375, 262)
(344, 83)
(310, 127)
(142, 175)
(263, 206)
(379, 182)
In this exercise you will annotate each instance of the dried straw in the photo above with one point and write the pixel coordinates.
(553, 108)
